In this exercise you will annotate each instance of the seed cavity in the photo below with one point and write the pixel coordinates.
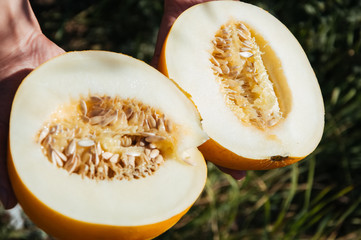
(105, 138)
(244, 81)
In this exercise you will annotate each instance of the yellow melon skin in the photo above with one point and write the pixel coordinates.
(67, 206)
(186, 59)
(63, 227)
(221, 156)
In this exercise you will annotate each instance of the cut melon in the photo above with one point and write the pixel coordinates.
(103, 146)
(251, 81)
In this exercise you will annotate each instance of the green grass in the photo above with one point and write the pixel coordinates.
(318, 198)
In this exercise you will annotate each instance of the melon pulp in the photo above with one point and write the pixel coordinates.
(251, 81)
(81, 179)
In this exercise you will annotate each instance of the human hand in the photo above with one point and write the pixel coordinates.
(23, 48)
(172, 9)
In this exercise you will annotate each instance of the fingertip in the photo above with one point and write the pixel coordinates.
(236, 174)
(7, 198)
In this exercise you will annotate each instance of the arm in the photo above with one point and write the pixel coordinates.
(23, 48)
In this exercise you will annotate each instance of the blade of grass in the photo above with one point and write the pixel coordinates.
(290, 196)
(321, 195)
(310, 179)
(349, 211)
(267, 218)
(340, 221)
(301, 221)
(321, 227)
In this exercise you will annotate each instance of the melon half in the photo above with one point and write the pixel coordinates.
(251, 81)
(103, 146)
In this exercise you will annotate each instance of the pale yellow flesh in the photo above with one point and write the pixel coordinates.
(187, 60)
(169, 191)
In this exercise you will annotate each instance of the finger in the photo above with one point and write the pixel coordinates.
(165, 25)
(236, 174)
(7, 195)
(172, 9)
(8, 88)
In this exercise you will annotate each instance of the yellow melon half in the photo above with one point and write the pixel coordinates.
(251, 81)
(130, 170)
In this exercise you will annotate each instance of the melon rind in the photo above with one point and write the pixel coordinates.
(69, 206)
(185, 59)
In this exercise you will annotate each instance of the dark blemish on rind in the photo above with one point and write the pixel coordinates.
(278, 158)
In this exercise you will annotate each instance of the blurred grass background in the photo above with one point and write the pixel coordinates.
(318, 198)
